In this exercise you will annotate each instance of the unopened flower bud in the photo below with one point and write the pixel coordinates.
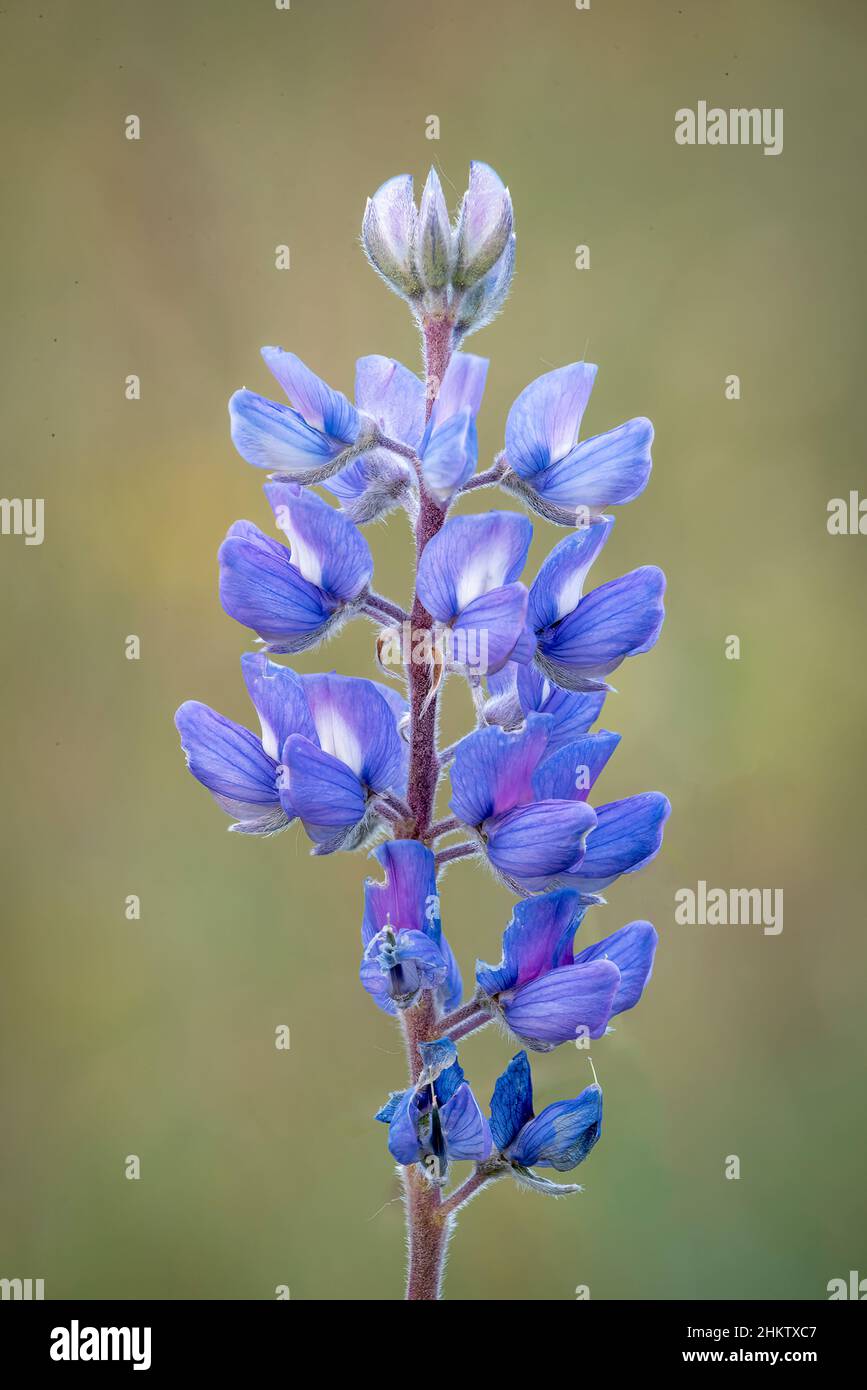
(389, 232)
(484, 225)
(434, 236)
(479, 305)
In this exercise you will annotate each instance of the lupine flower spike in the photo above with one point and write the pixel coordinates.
(356, 761)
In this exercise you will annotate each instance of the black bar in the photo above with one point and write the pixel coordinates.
(227, 1337)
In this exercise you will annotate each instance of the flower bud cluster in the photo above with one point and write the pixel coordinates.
(457, 270)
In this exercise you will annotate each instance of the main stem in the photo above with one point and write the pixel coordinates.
(427, 1224)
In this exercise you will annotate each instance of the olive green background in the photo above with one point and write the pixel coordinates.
(156, 1037)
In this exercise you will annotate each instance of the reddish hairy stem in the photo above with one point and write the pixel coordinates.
(429, 1230)
(383, 608)
(423, 762)
(445, 827)
(474, 1183)
(489, 478)
(427, 1227)
(445, 856)
(461, 1015)
(472, 1025)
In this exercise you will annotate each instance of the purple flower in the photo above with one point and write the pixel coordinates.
(628, 833)
(326, 440)
(466, 581)
(294, 598)
(447, 446)
(330, 776)
(560, 1137)
(392, 397)
(518, 690)
(558, 477)
(311, 438)
(328, 745)
(544, 992)
(527, 842)
(436, 1123)
(581, 639)
(357, 763)
(405, 950)
(239, 769)
(528, 808)
(449, 449)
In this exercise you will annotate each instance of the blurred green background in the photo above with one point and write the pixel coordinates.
(155, 1037)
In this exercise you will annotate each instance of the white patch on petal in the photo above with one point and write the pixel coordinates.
(336, 736)
(304, 557)
(571, 592)
(486, 571)
(269, 739)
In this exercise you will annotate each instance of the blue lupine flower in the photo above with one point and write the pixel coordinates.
(523, 804)
(554, 474)
(519, 690)
(311, 438)
(466, 581)
(334, 751)
(529, 843)
(436, 1123)
(628, 833)
(449, 449)
(544, 992)
(294, 598)
(229, 760)
(473, 564)
(327, 440)
(239, 769)
(330, 777)
(582, 639)
(405, 950)
(447, 445)
(393, 398)
(329, 744)
(560, 1137)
